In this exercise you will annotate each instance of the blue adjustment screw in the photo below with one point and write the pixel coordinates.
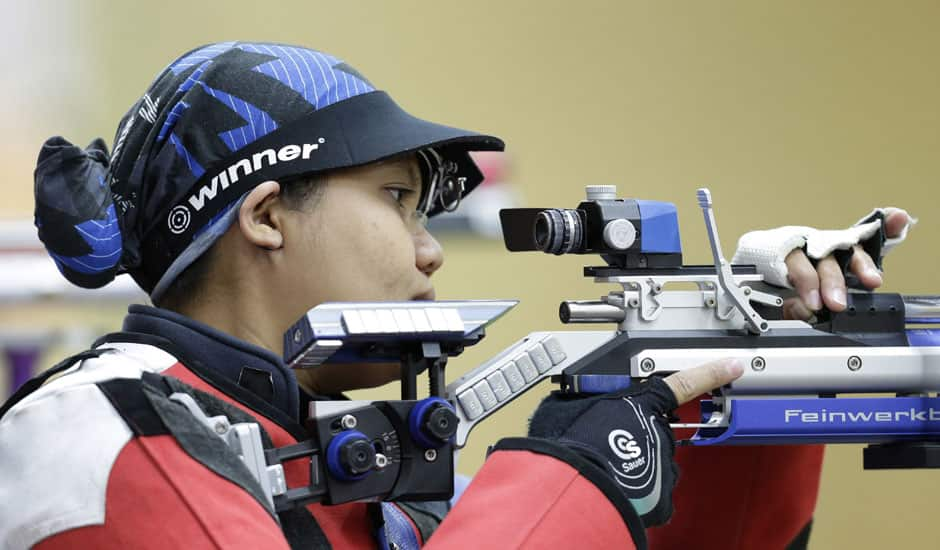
(433, 422)
(350, 456)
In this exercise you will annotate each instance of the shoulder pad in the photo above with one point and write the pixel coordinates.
(65, 426)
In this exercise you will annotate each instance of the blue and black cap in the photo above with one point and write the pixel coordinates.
(215, 123)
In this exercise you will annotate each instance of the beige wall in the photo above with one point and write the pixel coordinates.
(792, 112)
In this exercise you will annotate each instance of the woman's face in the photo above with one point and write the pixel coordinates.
(360, 242)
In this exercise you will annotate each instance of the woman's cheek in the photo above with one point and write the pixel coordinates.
(395, 251)
(371, 254)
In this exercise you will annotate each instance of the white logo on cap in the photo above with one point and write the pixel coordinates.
(179, 219)
(248, 165)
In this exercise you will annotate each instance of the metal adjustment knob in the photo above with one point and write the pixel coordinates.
(432, 422)
(619, 234)
(601, 192)
(350, 456)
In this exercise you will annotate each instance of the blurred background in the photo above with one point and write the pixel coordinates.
(791, 112)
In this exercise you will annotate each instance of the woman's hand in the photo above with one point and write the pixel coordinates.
(824, 285)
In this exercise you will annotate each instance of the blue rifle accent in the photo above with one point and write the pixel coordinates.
(660, 227)
(923, 337)
(600, 383)
(825, 420)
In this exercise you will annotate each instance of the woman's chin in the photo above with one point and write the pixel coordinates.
(335, 378)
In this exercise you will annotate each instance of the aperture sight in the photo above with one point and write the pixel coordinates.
(627, 233)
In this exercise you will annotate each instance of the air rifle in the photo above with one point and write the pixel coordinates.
(803, 383)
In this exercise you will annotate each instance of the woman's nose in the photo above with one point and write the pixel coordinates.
(429, 256)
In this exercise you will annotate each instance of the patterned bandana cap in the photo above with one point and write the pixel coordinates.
(213, 125)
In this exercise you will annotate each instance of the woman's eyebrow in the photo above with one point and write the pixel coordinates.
(415, 174)
(402, 184)
(401, 180)
(409, 175)
(412, 179)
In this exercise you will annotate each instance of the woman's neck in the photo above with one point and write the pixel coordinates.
(241, 313)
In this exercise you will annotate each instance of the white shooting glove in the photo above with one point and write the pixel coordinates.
(768, 249)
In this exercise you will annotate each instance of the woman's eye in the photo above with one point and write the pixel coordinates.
(398, 194)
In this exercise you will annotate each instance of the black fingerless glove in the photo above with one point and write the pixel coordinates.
(626, 434)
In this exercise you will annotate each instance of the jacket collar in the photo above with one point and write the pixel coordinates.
(252, 367)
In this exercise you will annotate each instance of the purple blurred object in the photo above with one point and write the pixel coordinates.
(22, 360)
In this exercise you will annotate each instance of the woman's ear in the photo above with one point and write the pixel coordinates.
(259, 217)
